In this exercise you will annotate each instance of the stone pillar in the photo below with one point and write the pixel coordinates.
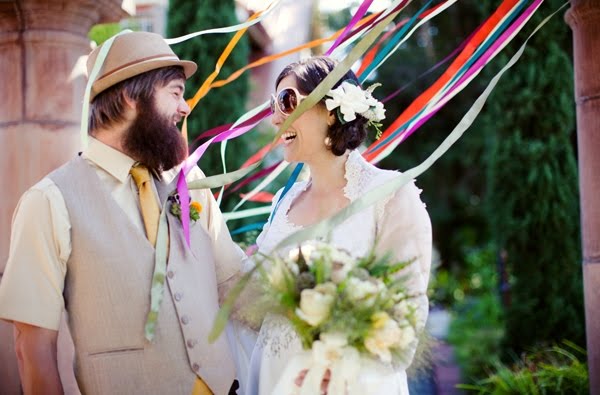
(42, 48)
(584, 19)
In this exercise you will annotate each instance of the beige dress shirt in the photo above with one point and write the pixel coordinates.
(31, 290)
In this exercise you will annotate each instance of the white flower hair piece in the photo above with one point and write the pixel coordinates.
(350, 99)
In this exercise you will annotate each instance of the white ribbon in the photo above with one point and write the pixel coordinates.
(331, 353)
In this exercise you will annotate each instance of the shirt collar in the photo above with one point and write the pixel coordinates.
(109, 159)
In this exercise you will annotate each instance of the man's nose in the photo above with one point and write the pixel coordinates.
(184, 109)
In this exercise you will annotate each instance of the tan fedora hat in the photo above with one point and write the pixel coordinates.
(132, 54)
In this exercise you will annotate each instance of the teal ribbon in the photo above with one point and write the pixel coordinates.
(248, 228)
(287, 187)
(323, 228)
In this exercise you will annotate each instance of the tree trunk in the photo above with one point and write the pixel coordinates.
(584, 19)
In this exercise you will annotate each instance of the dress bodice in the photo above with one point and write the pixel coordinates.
(398, 224)
(357, 234)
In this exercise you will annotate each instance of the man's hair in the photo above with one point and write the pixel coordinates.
(108, 107)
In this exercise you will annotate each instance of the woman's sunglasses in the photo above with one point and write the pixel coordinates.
(286, 100)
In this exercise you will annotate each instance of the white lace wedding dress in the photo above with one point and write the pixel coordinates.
(399, 224)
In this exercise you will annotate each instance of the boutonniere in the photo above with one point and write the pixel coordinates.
(175, 209)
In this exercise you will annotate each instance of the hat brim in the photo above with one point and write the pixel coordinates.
(105, 82)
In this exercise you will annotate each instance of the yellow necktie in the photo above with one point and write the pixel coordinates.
(148, 203)
(151, 214)
(200, 388)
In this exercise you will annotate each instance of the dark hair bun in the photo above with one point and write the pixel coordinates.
(347, 136)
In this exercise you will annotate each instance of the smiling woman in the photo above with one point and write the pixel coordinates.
(327, 141)
(319, 131)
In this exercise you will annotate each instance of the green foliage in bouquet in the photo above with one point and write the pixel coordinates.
(324, 290)
(554, 370)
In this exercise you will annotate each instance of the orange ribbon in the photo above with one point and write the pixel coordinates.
(461, 59)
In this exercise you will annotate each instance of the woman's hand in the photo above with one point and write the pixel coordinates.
(324, 383)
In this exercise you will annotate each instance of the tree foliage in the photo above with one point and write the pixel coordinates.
(103, 31)
(453, 188)
(532, 198)
(512, 179)
(221, 105)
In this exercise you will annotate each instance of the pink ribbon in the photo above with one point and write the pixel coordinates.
(362, 10)
(478, 65)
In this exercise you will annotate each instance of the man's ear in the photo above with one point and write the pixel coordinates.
(130, 107)
(129, 102)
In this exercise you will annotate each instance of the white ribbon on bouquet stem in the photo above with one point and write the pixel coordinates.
(330, 353)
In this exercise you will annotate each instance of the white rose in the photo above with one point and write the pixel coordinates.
(293, 266)
(379, 111)
(307, 251)
(364, 291)
(402, 310)
(385, 334)
(343, 263)
(278, 275)
(342, 257)
(340, 272)
(407, 336)
(349, 98)
(330, 347)
(315, 304)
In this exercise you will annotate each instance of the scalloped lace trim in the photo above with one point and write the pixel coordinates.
(358, 173)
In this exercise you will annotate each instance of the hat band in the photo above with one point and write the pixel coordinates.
(165, 56)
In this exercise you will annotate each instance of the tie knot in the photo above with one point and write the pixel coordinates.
(140, 174)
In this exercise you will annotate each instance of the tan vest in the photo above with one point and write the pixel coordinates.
(107, 296)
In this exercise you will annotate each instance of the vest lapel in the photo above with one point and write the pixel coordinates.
(165, 189)
(102, 193)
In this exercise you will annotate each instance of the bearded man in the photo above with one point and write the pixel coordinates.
(83, 242)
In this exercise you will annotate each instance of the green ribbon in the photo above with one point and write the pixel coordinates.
(85, 111)
(251, 212)
(323, 227)
(336, 74)
(162, 244)
(158, 278)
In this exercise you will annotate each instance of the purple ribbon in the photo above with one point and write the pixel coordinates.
(479, 64)
(362, 10)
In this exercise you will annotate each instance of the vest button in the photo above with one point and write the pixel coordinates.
(185, 320)
(191, 343)
(196, 367)
(177, 296)
(170, 274)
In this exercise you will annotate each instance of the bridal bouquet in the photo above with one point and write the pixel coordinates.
(342, 308)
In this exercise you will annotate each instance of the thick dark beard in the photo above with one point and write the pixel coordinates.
(153, 139)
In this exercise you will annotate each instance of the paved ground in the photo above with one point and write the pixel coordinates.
(446, 372)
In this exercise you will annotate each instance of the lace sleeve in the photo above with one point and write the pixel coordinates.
(405, 231)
